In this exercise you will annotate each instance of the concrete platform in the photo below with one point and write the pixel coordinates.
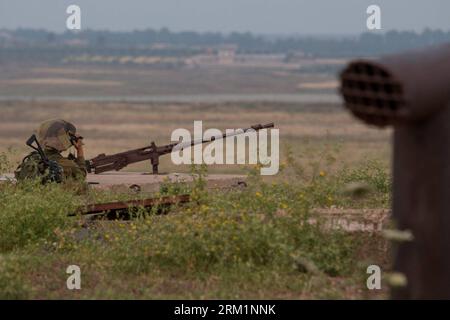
(352, 220)
(145, 182)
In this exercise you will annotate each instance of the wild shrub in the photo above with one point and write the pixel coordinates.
(30, 211)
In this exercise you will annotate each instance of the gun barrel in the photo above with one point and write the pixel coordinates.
(103, 163)
(256, 127)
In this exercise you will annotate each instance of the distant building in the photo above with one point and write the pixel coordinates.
(76, 43)
(226, 54)
(295, 56)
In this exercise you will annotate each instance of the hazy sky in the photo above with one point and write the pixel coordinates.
(259, 16)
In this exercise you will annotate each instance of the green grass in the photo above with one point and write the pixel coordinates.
(253, 242)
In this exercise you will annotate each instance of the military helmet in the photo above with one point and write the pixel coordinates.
(55, 134)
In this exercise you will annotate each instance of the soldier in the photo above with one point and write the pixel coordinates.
(56, 136)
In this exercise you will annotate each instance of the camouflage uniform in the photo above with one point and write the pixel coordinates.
(73, 168)
(53, 135)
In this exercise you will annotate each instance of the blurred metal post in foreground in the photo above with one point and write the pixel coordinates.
(411, 92)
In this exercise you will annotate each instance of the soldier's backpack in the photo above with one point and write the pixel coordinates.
(33, 167)
(37, 166)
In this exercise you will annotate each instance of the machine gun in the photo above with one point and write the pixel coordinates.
(118, 161)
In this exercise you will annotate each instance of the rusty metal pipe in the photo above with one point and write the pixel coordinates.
(411, 92)
(130, 204)
(398, 89)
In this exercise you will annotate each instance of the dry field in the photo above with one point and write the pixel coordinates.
(99, 80)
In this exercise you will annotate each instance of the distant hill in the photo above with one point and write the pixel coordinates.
(27, 43)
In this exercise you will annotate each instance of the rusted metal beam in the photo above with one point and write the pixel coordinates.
(126, 205)
(411, 92)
